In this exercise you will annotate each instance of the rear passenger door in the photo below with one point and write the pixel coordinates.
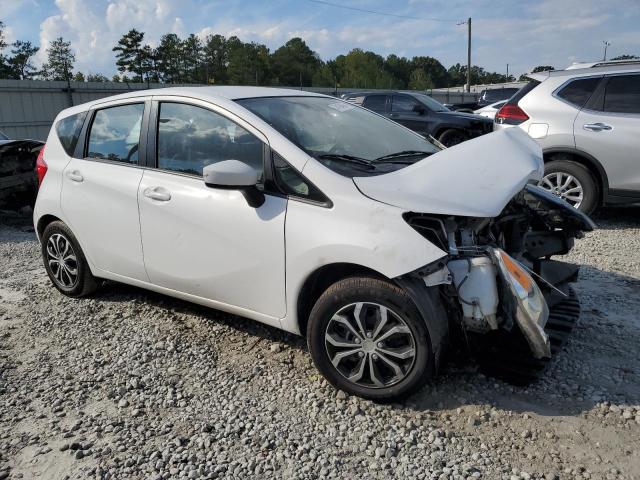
(377, 103)
(100, 187)
(608, 128)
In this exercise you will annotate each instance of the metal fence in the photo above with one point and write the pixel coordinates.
(28, 107)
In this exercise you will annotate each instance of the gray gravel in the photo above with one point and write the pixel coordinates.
(130, 384)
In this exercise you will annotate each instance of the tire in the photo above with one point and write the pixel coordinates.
(372, 295)
(59, 245)
(452, 137)
(562, 170)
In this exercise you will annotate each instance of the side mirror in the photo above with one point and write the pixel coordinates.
(234, 175)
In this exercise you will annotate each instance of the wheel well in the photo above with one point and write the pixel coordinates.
(590, 164)
(444, 129)
(320, 280)
(43, 222)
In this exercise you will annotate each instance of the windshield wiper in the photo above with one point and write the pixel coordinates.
(348, 159)
(404, 153)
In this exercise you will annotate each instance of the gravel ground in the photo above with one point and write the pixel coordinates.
(130, 384)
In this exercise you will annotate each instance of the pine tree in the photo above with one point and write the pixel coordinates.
(132, 55)
(20, 61)
(60, 60)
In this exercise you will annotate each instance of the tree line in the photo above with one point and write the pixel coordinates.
(219, 60)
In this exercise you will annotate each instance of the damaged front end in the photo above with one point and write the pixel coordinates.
(498, 278)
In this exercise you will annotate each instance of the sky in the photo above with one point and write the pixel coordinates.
(520, 33)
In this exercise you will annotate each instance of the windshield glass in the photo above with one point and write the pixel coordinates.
(430, 102)
(335, 131)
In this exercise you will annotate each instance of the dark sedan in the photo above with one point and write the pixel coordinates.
(424, 115)
(18, 184)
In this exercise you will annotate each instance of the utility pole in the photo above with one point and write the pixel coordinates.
(606, 44)
(468, 22)
(469, 57)
(507, 72)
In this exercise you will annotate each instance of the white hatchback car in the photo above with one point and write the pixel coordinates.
(316, 216)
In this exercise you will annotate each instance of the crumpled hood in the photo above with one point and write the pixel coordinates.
(476, 178)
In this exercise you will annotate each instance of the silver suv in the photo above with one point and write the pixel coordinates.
(587, 120)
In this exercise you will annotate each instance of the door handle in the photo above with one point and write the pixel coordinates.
(597, 127)
(75, 176)
(157, 193)
(394, 115)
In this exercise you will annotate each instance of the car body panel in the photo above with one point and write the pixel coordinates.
(483, 181)
(216, 242)
(618, 149)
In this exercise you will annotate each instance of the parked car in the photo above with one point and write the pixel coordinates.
(587, 119)
(318, 217)
(17, 177)
(424, 115)
(490, 110)
(486, 97)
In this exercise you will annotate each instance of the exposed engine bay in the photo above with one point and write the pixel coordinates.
(499, 275)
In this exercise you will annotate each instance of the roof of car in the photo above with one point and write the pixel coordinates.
(586, 69)
(219, 93)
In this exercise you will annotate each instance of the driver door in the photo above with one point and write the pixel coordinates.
(205, 241)
(407, 111)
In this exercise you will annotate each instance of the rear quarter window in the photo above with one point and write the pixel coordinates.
(68, 131)
(577, 92)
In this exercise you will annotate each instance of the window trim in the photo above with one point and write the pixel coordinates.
(82, 146)
(154, 127)
(387, 102)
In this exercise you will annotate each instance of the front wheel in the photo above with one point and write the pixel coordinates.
(367, 338)
(452, 137)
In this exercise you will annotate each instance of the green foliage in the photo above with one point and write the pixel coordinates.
(79, 77)
(97, 77)
(20, 61)
(626, 57)
(60, 60)
(132, 56)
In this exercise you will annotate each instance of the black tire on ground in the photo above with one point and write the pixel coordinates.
(583, 175)
(85, 283)
(452, 137)
(370, 291)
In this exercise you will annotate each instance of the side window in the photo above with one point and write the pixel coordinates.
(191, 137)
(68, 130)
(115, 133)
(622, 94)
(579, 91)
(375, 103)
(292, 183)
(404, 104)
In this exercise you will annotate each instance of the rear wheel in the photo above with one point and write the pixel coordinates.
(452, 137)
(65, 262)
(572, 182)
(367, 338)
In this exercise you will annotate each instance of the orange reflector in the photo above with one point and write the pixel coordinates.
(518, 273)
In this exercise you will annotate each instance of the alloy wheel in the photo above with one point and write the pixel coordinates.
(565, 186)
(370, 345)
(62, 260)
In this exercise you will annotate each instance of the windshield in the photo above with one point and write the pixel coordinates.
(430, 102)
(336, 132)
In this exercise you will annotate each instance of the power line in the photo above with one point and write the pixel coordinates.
(375, 12)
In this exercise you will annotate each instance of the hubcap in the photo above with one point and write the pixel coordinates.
(565, 186)
(62, 260)
(370, 345)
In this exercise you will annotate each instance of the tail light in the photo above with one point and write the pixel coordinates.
(41, 167)
(511, 114)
